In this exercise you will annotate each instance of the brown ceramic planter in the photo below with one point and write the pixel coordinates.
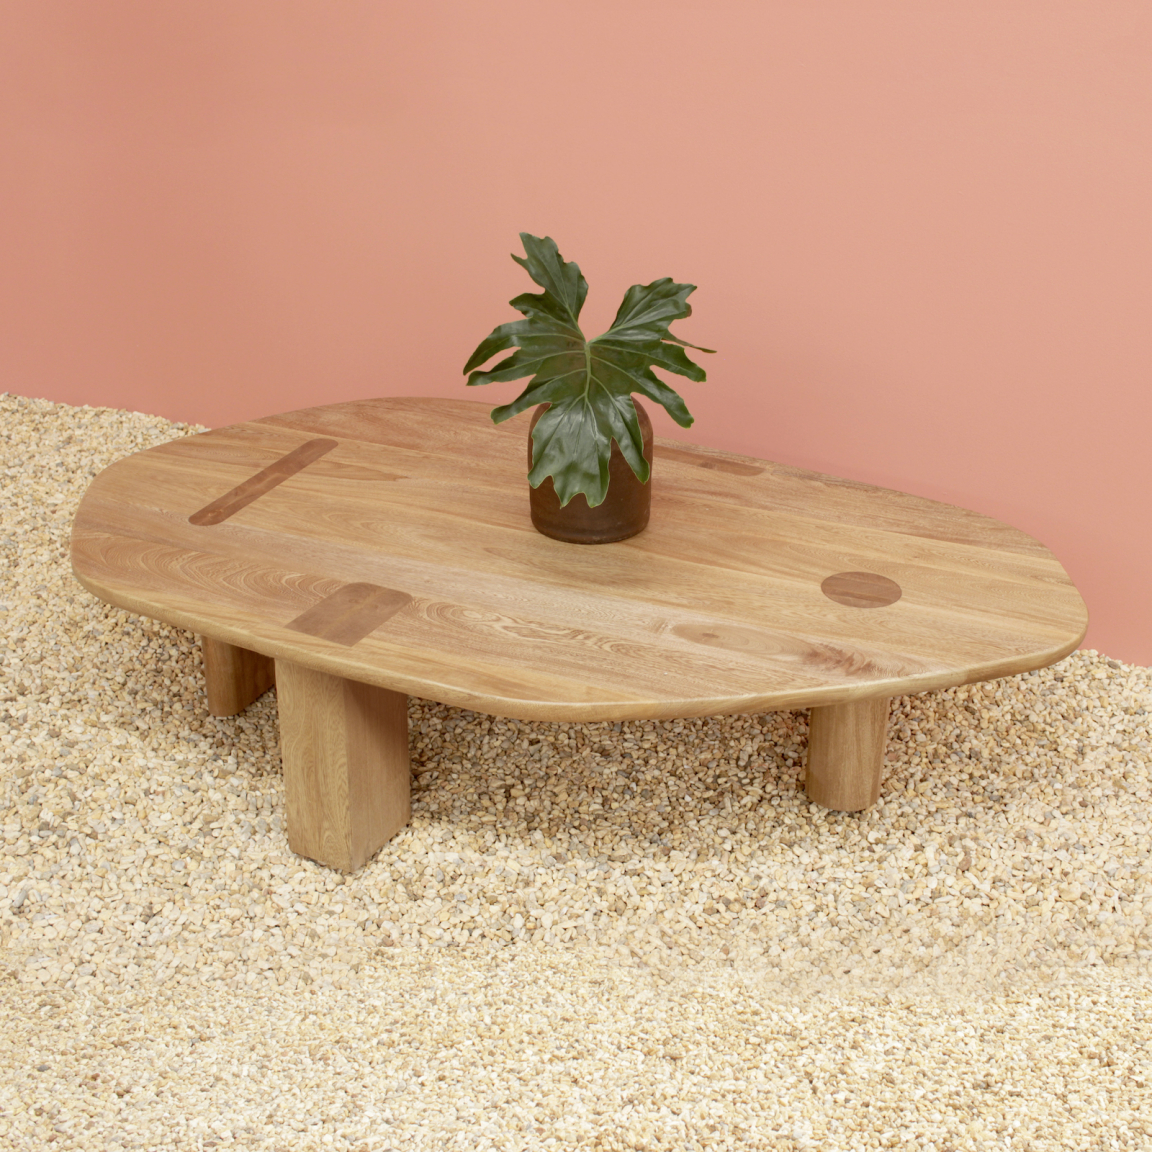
(623, 513)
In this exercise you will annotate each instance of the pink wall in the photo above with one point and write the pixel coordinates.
(921, 229)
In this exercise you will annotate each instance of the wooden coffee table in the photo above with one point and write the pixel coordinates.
(358, 553)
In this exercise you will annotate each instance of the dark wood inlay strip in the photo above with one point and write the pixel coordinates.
(861, 589)
(703, 460)
(350, 613)
(276, 473)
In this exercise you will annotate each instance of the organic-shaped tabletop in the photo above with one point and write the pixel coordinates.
(388, 541)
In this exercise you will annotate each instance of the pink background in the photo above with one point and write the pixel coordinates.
(921, 229)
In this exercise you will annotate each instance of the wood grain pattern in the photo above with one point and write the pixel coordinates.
(264, 481)
(346, 771)
(716, 607)
(350, 613)
(861, 589)
(846, 754)
(234, 677)
(701, 458)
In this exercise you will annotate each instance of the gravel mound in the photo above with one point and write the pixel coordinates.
(634, 936)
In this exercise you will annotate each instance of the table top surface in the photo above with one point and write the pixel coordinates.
(389, 541)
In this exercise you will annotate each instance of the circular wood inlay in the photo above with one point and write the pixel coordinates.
(861, 589)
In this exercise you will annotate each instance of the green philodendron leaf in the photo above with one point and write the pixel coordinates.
(588, 384)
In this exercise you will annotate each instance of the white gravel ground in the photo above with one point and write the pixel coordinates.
(599, 936)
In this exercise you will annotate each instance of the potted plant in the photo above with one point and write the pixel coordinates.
(589, 443)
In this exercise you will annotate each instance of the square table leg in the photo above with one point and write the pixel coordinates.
(846, 753)
(234, 677)
(346, 773)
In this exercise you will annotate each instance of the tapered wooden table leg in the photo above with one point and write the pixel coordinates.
(346, 775)
(846, 753)
(234, 677)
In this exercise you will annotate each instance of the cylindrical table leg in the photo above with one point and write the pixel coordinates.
(346, 775)
(233, 677)
(846, 753)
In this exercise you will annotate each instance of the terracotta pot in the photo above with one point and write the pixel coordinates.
(625, 508)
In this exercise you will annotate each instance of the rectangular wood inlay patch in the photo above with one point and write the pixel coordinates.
(350, 613)
(701, 460)
(242, 495)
